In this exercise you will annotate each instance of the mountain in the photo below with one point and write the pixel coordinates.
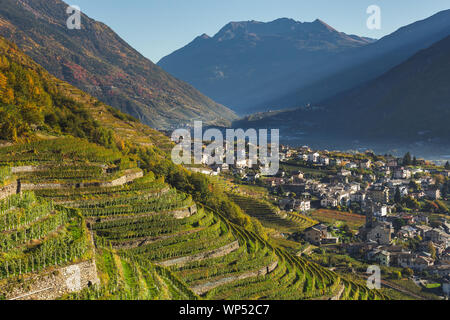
(367, 63)
(406, 107)
(242, 64)
(410, 102)
(254, 66)
(34, 103)
(98, 61)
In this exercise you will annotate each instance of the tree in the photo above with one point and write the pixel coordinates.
(411, 203)
(398, 223)
(432, 250)
(446, 189)
(397, 196)
(440, 179)
(407, 272)
(407, 159)
(414, 162)
(447, 166)
(396, 275)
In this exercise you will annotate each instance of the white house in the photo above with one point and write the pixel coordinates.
(325, 161)
(351, 165)
(329, 202)
(380, 211)
(402, 173)
(313, 157)
(344, 173)
(358, 197)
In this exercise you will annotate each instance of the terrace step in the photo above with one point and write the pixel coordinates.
(216, 253)
(148, 240)
(204, 288)
(177, 214)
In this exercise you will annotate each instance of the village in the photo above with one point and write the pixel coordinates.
(403, 202)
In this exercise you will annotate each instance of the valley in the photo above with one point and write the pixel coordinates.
(95, 204)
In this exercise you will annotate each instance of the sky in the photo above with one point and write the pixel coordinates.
(156, 28)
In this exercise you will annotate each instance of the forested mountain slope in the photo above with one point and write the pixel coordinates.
(98, 61)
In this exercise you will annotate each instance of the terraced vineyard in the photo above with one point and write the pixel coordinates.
(36, 235)
(123, 278)
(149, 240)
(269, 216)
(61, 150)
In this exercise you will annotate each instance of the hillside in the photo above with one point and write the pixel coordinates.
(99, 62)
(411, 102)
(241, 66)
(32, 103)
(92, 208)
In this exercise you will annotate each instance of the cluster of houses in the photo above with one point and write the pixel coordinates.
(374, 188)
(379, 180)
(371, 187)
(378, 235)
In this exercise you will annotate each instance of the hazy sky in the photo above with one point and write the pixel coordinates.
(158, 27)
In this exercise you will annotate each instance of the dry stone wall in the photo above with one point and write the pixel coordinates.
(216, 253)
(55, 283)
(8, 190)
(177, 214)
(128, 177)
(204, 288)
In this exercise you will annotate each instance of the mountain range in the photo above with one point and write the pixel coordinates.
(254, 66)
(241, 65)
(98, 61)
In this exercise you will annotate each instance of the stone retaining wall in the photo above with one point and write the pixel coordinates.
(129, 176)
(8, 190)
(339, 293)
(24, 169)
(216, 253)
(185, 213)
(126, 178)
(54, 284)
(204, 288)
(178, 214)
(145, 241)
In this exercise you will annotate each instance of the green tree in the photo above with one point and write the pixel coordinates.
(397, 196)
(407, 159)
(447, 166)
(396, 275)
(432, 250)
(407, 272)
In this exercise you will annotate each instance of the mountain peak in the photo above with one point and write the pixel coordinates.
(204, 36)
(322, 24)
(282, 26)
